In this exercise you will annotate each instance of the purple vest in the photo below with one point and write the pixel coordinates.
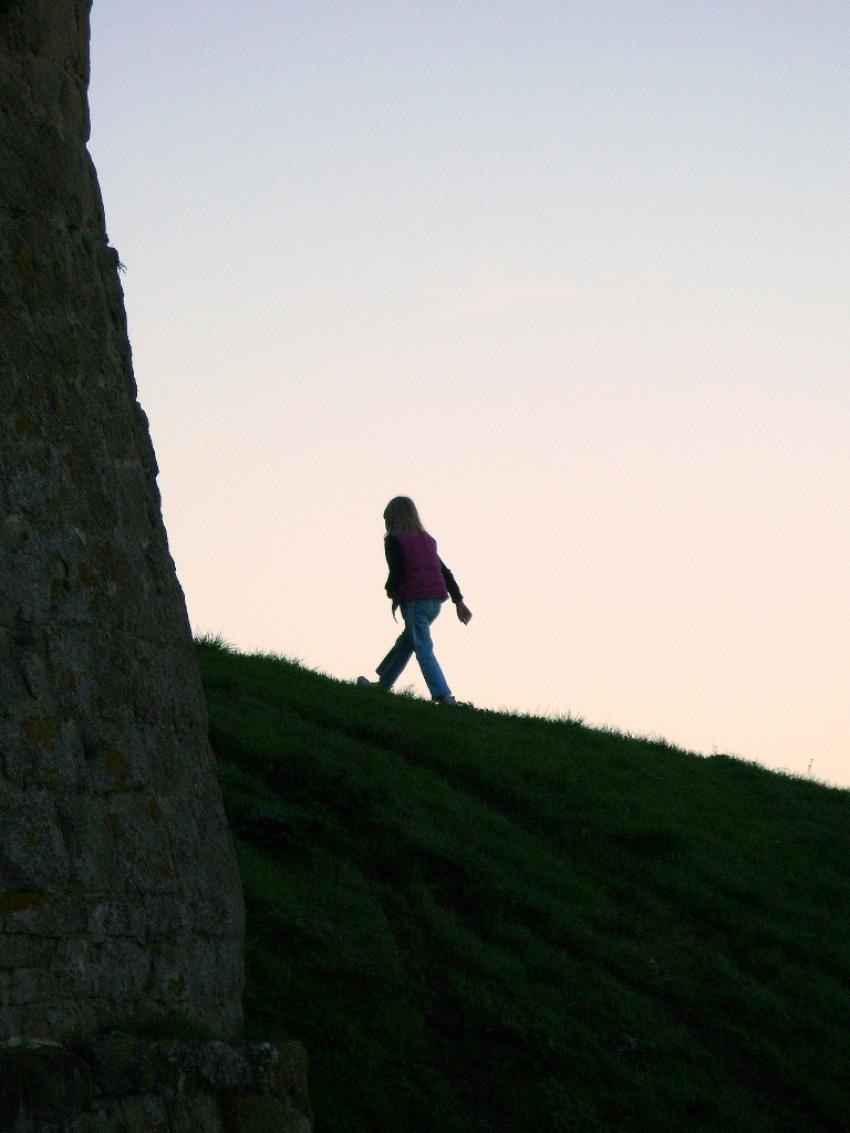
(423, 577)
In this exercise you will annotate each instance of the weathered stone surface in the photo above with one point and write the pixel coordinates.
(121, 1084)
(113, 844)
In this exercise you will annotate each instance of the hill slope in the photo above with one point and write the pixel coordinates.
(486, 922)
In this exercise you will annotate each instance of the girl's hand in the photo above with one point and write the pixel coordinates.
(463, 612)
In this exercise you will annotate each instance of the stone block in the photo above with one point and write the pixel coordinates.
(281, 1069)
(32, 851)
(124, 966)
(146, 1114)
(41, 1079)
(89, 843)
(195, 1113)
(22, 951)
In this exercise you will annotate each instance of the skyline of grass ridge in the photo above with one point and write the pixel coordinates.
(479, 921)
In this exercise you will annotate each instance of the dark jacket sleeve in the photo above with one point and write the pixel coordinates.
(451, 585)
(395, 561)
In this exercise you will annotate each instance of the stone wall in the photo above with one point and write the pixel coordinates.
(119, 1084)
(119, 892)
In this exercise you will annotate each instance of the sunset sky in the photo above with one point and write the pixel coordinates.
(575, 276)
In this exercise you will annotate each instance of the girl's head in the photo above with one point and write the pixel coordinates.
(401, 517)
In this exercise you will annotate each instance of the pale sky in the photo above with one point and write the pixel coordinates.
(575, 276)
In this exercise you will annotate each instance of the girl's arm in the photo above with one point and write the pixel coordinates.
(395, 561)
(451, 584)
(463, 611)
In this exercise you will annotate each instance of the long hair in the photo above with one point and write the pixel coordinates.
(401, 517)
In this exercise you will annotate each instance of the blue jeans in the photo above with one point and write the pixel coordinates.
(416, 638)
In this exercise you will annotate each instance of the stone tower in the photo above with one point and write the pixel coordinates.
(119, 893)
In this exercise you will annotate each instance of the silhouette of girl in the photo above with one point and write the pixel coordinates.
(418, 584)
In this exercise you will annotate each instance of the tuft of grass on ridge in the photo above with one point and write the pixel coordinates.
(481, 922)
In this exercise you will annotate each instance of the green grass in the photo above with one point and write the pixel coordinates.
(483, 922)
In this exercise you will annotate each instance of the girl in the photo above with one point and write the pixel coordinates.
(419, 582)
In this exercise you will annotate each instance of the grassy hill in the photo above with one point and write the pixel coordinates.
(483, 922)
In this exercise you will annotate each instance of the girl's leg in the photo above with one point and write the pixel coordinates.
(417, 619)
(392, 666)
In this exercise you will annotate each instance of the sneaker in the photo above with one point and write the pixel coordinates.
(365, 681)
(445, 699)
